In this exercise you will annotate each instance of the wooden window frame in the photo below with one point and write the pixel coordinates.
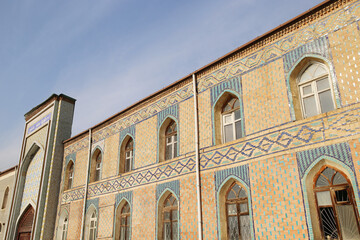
(97, 170)
(173, 136)
(130, 158)
(236, 201)
(125, 215)
(93, 219)
(231, 112)
(171, 220)
(332, 188)
(312, 82)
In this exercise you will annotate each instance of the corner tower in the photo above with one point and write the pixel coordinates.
(33, 210)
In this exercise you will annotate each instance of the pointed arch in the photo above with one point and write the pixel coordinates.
(63, 223)
(96, 164)
(168, 216)
(122, 221)
(25, 223)
(69, 175)
(313, 216)
(168, 139)
(239, 207)
(5, 198)
(91, 223)
(127, 153)
(318, 94)
(228, 121)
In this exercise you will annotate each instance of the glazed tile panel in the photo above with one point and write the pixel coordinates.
(305, 134)
(32, 180)
(278, 210)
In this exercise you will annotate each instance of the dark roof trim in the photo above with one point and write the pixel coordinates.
(9, 170)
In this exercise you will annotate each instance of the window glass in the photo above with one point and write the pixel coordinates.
(315, 90)
(231, 120)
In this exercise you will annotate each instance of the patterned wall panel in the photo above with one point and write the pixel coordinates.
(32, 180)
(111, 154)
(128, 195)
(345, 47)
(144, 212)
(186, 121)
(75, 216)
(106, 216)
(340, 151)
(130, 130)
(188, 208)
(205, 131)
(355, 153)
(69, 157)
(278, 210)
(233, 84)
(242, 172)
(209, 205)
(318, 46)
(80, 168)
(265, 98)
(173, 186)
(146, 140)
(170, 111)
(94, 201)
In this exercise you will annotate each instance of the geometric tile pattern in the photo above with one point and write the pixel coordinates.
(32, 180)
(128, 195)
(130, 130)
(278, 140)
(172, 111)
(188, 208)
(345, 46)
(277, 201)
(317, 46)
(340, 151)
(265, 97)
(319, 28)
(173, 186)
(355, 152)
(94, 202)
(70, 157)
(209, 205)
(232, 84)
(241, 172)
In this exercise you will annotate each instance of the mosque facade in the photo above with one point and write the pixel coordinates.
(263, 143)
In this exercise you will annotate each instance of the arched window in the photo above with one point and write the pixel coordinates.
(126, 155)
(64, 228)
(335, 204)
(5, 199)
(316, 94)
(122, 224)
(92, 226)
(96, 163)
(168, 222)
(125, 222)
(237, 213)
(69, 176)
(171, 141)
(231, 120)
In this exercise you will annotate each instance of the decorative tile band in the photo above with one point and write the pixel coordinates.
(319, 130)
(173, 186)
(339, 151)
(241, 172)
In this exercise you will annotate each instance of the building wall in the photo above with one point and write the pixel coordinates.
(272, 161)
(7, 180)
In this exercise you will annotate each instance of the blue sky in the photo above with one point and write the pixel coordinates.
(109, 54)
